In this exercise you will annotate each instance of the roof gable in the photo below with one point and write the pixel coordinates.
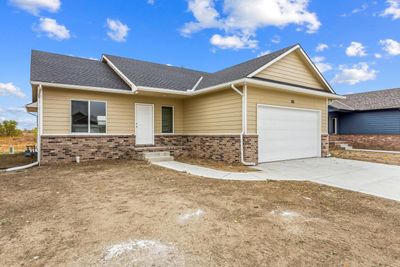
(294, 67)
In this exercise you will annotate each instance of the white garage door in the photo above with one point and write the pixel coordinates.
(285, 133)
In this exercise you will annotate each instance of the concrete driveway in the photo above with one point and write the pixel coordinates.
(372, 178)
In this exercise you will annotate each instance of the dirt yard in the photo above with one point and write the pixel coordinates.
(386, 158)
(134, 214)
(8, 161)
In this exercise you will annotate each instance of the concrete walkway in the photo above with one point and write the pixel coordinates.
(372, 178)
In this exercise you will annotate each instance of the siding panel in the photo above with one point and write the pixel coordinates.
(213, 113)
(371, 122)
(293, 69)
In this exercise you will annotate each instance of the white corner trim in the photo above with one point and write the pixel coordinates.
(197, 84)
(273, 61)
(119, 73)
(85, 88)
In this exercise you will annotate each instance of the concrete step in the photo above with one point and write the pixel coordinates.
(158, 156)
(345, 146)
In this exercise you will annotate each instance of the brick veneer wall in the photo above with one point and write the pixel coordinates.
(58, 149)
(250, 148)
(324, 145)
(370, 141)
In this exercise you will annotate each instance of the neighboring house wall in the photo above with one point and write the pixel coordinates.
(368, 122)
(292, 69)
(214, 113)
(120, 111)
(388, 142)
(278, 98)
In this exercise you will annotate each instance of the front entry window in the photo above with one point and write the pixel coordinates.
(167, 114)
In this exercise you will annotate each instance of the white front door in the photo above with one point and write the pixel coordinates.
(144, 124)
(287, 133)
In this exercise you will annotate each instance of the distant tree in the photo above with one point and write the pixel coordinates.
(9, 128)
(34, 131)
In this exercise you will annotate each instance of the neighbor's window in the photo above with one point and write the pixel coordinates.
(167, 114)
(81, 111)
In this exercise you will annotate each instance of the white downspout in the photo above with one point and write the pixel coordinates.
(244, 123)
(39, 122)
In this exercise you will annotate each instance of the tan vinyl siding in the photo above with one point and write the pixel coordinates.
(293, 69)
(213, 113)
(267, 96)
(120, 110)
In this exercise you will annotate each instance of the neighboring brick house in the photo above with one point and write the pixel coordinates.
(367, 120)
(274, 107)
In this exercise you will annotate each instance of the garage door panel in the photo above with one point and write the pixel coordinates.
(286, 133)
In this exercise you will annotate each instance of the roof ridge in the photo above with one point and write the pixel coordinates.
(279, 51)
(63, 55)
(379, 90)
(156, 63)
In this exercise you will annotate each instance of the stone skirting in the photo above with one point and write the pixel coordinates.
(370, 141)
(221, 147)
(324, 145)
(58, 149)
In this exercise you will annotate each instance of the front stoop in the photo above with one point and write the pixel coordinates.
(157, 154)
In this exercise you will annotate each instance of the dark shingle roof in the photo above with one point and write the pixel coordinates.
(143, 73)
(382, 99)
(241, 70)
(55, 68)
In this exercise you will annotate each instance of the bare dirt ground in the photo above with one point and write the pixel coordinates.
(14, 160)
(386, 158)
(217, 165)
(127, 213)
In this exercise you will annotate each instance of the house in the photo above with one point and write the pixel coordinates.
(274, 107)
(367, 120)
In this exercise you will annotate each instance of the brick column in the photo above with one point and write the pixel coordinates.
(324, 145)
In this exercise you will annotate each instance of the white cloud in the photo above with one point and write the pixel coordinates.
(53, 30)
(7, 89)
(19, 114)
(232, 42)
(263, 53)
(391, 46)
(276, 39)
(360, 72)
(321, 47)
(321, 65)
(117, 30)
(243, 19)
(356, 50)
(393, 10)
(151, 2)
(377, 55)
(35, 6)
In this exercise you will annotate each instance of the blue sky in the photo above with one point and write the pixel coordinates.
(356, 43)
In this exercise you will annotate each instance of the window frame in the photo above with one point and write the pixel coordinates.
(173, 119)
(88, 132)
(335, 125)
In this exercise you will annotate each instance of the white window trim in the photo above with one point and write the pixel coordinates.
(173, 119)
(334, 121)
(88, 132)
